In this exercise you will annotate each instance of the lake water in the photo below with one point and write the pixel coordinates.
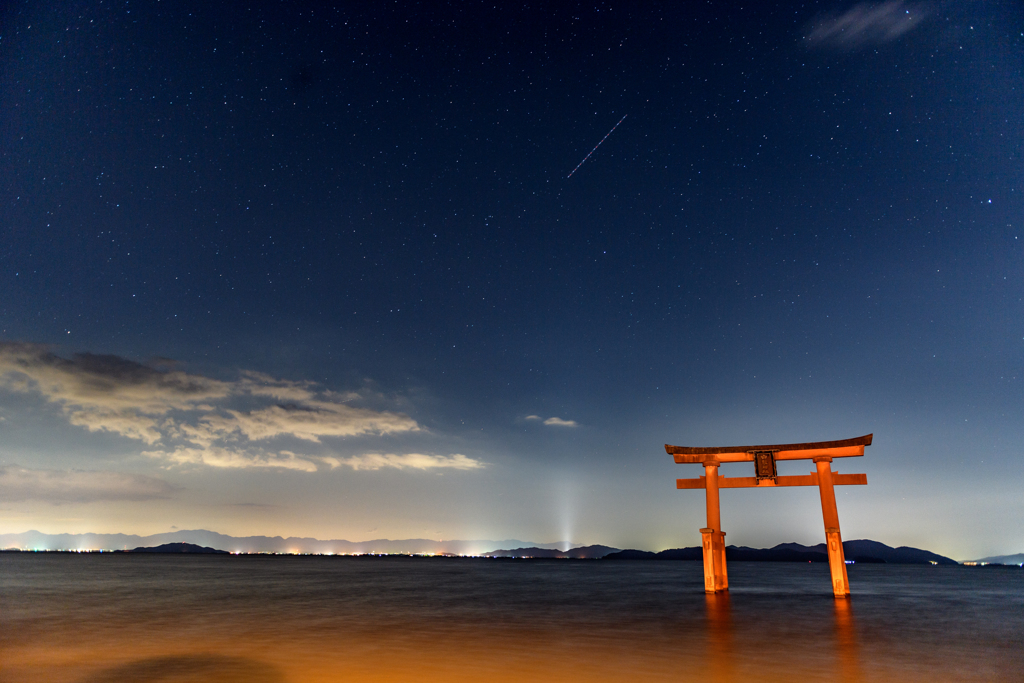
(260, 619)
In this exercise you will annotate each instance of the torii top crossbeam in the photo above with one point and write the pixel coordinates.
(843, 448)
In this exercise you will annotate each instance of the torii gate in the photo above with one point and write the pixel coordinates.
(716, 578)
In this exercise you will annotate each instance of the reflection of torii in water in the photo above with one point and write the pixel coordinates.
(764, 458)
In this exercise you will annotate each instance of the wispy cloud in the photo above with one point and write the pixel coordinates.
(261, 384)
(106, 381)
(864, 25)
(414, 461)
(78, 486)
(552, 421)
(308, 421)
(105, 393)
(234, 458)
(189, 419)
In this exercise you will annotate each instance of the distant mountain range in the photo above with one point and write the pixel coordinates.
(201, 540)
(863, 551)
(1003, 559)
(34, 540)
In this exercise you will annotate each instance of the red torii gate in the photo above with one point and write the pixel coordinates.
(716, 578)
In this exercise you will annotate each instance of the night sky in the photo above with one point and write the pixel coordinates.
(318, 270)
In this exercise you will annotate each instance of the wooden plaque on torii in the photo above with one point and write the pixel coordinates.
(716, 577)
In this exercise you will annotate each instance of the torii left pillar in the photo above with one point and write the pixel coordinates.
(716, 577)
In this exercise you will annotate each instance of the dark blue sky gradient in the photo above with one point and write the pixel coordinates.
(786, 240)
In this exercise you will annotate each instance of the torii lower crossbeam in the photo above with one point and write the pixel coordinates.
(716, 577)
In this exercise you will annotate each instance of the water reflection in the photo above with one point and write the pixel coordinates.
(718, 609)
(846, 641)
(726, 660)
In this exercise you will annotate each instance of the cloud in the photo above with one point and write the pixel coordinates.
(192, 419)
(260, 384)
(123, 422)
(105, 383)
(553, 421)
(864, 25)
(308, 421)
(106, 393)
(78, 486)
(234, 458)
(415, 461)
(188, 420)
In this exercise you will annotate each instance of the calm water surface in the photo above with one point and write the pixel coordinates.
(220, 619)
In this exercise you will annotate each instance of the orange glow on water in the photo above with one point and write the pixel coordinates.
(221, 649)
(76, 619)
(496, 656)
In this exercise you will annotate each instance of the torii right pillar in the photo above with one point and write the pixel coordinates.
(833, 537)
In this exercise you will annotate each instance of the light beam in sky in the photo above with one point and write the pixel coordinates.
(597, 145)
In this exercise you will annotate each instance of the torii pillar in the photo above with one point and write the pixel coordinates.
(833, 538)
(716, 577)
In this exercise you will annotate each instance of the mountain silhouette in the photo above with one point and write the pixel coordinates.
(863, 551)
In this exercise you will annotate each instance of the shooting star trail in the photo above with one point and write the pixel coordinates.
(597, 145)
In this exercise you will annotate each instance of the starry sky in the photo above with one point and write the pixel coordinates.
(318, 270)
